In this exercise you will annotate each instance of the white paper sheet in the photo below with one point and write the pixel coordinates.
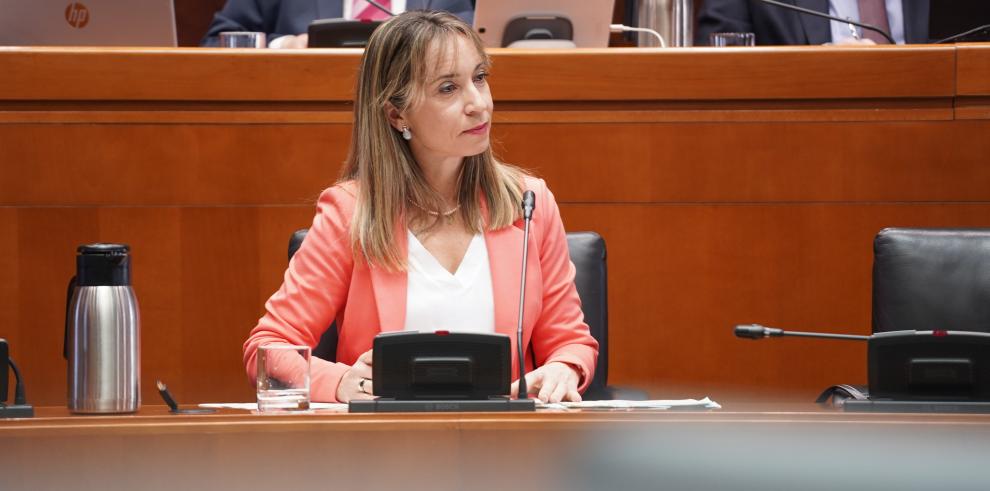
(705, 403)
(253, 406)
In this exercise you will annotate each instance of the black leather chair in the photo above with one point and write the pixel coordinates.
(927, 279)
(587, 251)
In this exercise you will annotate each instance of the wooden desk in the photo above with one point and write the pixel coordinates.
(731, 186)
(973, 85)
(741, 447)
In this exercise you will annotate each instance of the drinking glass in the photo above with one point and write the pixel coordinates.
(283, 377)
(242, 39)
(727, 39)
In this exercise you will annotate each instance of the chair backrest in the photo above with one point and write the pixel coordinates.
(587, 251)
(926, 279)
(296, 240)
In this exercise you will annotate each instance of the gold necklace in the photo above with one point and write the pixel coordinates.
(445, 214)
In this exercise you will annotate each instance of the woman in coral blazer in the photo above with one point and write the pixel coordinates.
(421, 186)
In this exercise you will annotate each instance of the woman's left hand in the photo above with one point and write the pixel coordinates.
(553, 382)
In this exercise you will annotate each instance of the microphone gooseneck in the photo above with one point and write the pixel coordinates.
(528, 203)
(756, 331)
(954, 37)
(829, 17)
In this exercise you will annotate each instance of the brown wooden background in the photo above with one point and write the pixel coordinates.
(731, 186)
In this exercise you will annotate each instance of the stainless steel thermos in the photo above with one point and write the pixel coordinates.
(102, 333)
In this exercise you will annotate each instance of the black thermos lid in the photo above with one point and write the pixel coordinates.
(103, 265)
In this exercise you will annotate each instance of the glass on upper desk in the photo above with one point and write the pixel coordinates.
(283, 377)
(242, 39)
(731, 39)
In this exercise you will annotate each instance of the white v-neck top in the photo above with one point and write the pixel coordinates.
(438, 300)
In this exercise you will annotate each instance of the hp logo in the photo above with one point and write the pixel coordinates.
(77, 15)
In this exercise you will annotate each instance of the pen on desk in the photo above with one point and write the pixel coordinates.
(163, 390)
(174, 406)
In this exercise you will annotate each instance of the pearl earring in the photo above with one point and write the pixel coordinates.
(406, 134)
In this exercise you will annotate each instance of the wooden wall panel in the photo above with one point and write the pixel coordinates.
(682, 275)
(973, 81)
(626, 162)
(148, 164)
(155, 236)
(755, 162)
(615, 74)
(9, 289)
(109, 74)
(219, 296)
(712, 73)
(47, 240)
(973, 69)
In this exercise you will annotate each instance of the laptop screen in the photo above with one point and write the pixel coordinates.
(586, 22)
(87, 23)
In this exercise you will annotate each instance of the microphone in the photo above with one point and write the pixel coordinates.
(756, 331)
(829, 17)
(528, 202)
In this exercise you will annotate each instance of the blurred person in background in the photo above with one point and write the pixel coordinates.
(285, 22)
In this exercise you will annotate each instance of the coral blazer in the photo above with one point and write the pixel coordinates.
(324, 283)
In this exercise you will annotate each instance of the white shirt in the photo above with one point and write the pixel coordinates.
(439, 300)
(849, 9)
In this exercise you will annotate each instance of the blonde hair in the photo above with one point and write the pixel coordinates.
(394, 70)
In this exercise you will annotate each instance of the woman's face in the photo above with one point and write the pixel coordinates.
(453, 117)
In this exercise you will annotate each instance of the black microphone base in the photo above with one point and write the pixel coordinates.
(16, 411)
(890, 406)
(445, 406)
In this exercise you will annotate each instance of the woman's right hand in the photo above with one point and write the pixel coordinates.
(356, 382)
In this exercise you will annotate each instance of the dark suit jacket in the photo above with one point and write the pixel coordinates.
(778, 26)
(278, 18)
